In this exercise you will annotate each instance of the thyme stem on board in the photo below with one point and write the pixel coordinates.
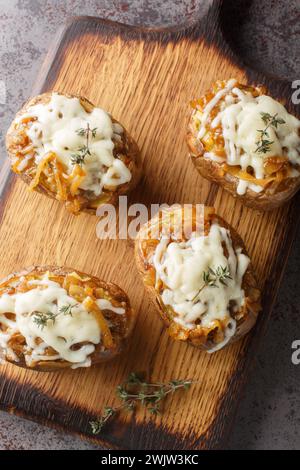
(135, 391)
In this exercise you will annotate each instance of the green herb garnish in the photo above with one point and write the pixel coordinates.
(79, 157)
(67, 309)
(212, 277)
(264, 143)
(41, 319)
(135, 391)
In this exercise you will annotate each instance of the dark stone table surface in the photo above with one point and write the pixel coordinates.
(269, 414)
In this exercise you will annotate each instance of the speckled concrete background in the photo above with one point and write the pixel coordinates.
(269, 416)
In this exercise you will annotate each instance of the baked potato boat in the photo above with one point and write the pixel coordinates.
(200, 278)
(53, 318)
(247, 142)
(65, 147)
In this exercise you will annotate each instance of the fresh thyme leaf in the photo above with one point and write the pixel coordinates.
(222, 273)
(84, 150)
(98, 424)
(130, 406)
(263, 145)
(136, 391)
(79, 157)
(122, 392)
(80, 132)
(187, 385)
(136, 379)
(154, 410)
(67, 309)
(212, 277)
(84, 132)
(266, 117)
(41, 319)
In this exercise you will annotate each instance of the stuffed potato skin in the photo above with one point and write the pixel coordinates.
(264, 201)
(274, 194)
(200, 337)
(120, 325)
(125, 149)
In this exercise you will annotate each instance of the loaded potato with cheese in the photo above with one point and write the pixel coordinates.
(246, 141)
(70, 150)
(53, 318)
(199, 276)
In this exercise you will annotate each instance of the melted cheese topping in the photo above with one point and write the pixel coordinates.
(56, 130)
(240, 118)
(180, 266)
(79, 328)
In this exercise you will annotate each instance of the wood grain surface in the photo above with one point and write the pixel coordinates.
(146, 79)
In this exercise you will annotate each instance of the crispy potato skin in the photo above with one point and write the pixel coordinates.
(99, 354)
(249, 284)
(266, 200)
(131, 152)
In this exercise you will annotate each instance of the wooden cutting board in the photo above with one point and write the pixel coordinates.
(146, 79)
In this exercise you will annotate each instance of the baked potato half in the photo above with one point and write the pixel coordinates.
(247, 142)
(198, 274)
(65, 147)
(53, 318)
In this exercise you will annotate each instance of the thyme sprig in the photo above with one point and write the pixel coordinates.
(264, 143)
(212, 277)
(41, 318)
(79, 157)
(136, 391)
